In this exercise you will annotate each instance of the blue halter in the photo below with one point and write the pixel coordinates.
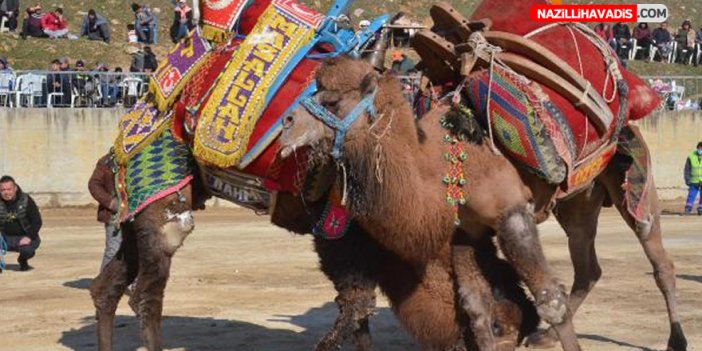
(340, 126)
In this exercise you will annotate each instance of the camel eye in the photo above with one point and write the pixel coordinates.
(331, 100)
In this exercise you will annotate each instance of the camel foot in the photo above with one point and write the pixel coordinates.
(677, 341)
(552, 305)
(542, 339)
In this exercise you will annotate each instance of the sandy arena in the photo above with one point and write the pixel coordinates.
(241, 284)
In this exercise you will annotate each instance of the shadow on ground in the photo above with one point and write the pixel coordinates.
(604, 339)
(690, 277)
(204, 333)
(82, 283)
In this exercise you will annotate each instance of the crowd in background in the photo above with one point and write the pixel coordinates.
(681, 45)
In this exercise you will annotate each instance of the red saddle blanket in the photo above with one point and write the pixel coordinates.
(575, 49)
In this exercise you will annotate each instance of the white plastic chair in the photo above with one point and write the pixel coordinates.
(7, 82)
(635, 48)
(30, 85)
(3, 23)
(132, 88)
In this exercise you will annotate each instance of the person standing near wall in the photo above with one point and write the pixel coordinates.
(102, 187)
(693, 179)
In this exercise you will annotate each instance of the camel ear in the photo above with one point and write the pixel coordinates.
(370, 83)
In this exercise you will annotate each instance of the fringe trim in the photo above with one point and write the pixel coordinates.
(123, 157)
(214, 34)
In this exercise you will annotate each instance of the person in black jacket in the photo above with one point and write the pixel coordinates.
(150, 61)
(622, 35)
(20, 221)
(10, 10)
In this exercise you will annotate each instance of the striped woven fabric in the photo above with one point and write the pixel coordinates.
(516, 119)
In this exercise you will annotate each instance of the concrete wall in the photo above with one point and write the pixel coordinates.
(52, 152)
(671, 137)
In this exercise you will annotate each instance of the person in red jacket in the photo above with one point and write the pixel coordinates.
(55, 25)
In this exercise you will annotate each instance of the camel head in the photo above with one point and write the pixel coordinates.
(343, 105)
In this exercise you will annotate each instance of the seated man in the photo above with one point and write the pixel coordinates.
(95, 27)
(662, 39)
(10, 10)
(622, 35)
(32, 25)
(20, 221)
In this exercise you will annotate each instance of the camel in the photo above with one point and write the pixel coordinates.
(378, 177)
(385, 139)
(423, 298)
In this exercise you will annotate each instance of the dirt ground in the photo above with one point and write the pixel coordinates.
(241, 284)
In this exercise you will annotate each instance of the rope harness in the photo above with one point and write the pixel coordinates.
(340, 126)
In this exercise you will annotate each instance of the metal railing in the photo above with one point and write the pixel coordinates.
(71, 88)
(678, 92)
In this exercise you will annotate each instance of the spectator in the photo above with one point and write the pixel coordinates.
(642, 34)
(102, 187)
(60, 84)
(132, 36)
(662, 39)
(605, 32)
(137, 55)
(182, 22)
(693, 179)
(686, 41)
(622, 37)
(65, 64)
(55, 25)
(401, 64)
(10, 10)
(84, 85)
(20, 221)
(31, 27)
(95, 27)
(144, 23)
(150, 61)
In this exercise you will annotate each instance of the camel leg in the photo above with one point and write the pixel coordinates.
(350, 263)
(519, 241)
(649, 235)
(108, 287)
(160, 231)
(578, 216)
(475, 295)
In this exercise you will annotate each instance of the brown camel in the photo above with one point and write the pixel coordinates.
(408, 155)
(395, 191)
(423, 298)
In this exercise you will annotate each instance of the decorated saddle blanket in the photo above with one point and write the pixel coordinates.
(577, 51)
(161, 168)
(537, 126)
(259, 66)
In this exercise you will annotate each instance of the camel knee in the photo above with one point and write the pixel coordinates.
(552, 304)
(175, 230)
(518, 225)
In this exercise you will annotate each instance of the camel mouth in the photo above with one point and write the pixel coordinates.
(286, 151)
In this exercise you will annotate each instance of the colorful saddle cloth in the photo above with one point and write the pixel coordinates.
(537, 126)
(226, 110)
(179, 66)
(160, 169)
(249, 80)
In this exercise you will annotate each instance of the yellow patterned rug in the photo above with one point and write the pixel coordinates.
(235, 104)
